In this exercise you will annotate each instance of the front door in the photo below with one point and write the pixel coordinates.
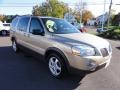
(36, 42)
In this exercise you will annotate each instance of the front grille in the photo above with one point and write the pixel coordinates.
(104, 52)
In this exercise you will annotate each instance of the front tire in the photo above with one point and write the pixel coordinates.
(56, 65)
(4, 33)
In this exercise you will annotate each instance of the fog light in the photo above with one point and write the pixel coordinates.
(92, 65)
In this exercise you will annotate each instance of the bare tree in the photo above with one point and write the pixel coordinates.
(79, 9)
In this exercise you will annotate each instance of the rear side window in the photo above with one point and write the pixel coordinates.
(14, 23)
(23, 23)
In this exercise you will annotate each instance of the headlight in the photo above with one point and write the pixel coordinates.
(110, 48)
(83, 50)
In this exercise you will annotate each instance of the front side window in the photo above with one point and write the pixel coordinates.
(35, 25)
(23, 23)
(59, 26)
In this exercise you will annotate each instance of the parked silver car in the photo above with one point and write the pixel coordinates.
(62, 45)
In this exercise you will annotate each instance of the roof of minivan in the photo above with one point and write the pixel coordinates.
(37, 16)
(47, 17)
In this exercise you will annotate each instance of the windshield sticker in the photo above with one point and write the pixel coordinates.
(50, 25)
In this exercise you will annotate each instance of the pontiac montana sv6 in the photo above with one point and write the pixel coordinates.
(62, 45)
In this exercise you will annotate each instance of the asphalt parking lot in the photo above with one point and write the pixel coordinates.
(24, 72)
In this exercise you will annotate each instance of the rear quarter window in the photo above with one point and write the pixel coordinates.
(14, 23)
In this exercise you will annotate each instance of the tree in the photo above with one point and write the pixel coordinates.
(80, 7)
(81, 12)
(87, 15)
(2, 17)
(36, 10)
(116, 20)
(53, 8)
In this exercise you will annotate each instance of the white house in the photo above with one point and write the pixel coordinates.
(91, 22)
(99, 19)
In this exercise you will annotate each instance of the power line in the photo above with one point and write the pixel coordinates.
(16, 6)
(20, 3)
(29, 5)
(66, 3)
(33, 4)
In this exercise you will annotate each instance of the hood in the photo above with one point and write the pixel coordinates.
(78, 38)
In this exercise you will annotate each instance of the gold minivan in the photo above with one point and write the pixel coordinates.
(63, 46)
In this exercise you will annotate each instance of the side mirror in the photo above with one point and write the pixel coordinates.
(37, 32)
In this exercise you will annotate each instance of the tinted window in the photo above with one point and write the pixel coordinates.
(23, 23)
(59, 26)
(14, 23)
(35, 25)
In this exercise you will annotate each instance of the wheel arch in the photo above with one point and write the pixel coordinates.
(58, 51)
(13, 38)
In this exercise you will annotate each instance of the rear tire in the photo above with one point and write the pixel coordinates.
(15, 46)
(56, 65)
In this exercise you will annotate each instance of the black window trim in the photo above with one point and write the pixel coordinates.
(39, 23)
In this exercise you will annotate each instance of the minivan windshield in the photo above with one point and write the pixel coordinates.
(59, 26)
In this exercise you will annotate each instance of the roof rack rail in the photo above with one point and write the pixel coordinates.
(26, 15)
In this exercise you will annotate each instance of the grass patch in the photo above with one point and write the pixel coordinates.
(110, 27)
(111, 34)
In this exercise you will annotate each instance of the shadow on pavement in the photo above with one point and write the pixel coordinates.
(4, 36)
(18, 72)
(118, 48)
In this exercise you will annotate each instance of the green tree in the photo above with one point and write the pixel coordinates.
(116, 20)
(53, 8)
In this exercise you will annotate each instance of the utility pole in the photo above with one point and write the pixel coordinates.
(81, 11)
(109, 14)
(69, 13)
(103, 21)
(48, 1)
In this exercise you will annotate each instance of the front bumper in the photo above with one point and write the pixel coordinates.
(91, 63)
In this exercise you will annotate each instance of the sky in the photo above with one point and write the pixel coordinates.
(27, 8)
